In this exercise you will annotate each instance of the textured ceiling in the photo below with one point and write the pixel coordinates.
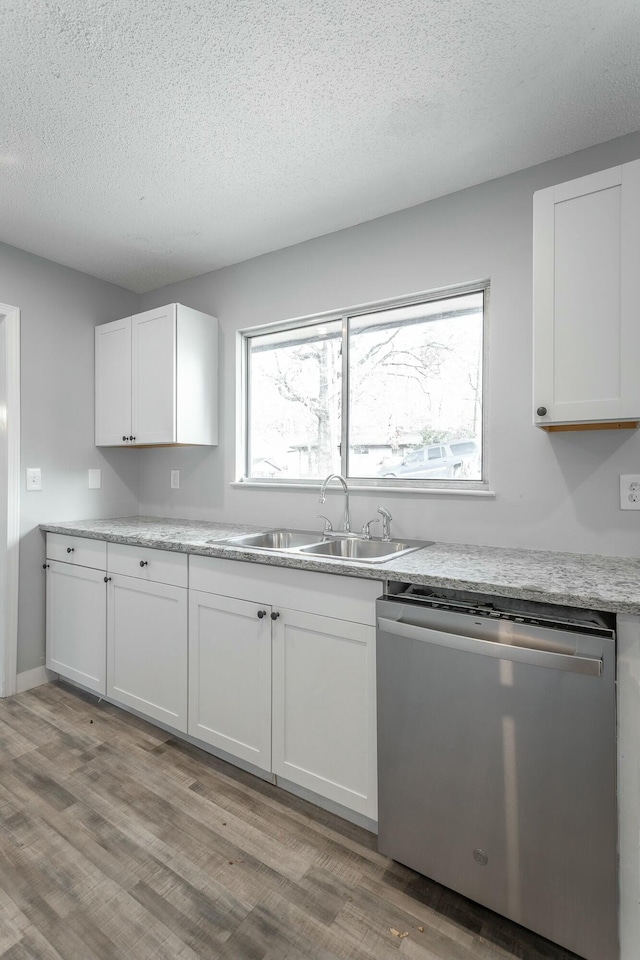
(146, 141)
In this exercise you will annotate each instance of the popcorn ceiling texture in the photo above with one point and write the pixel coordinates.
(147, 141)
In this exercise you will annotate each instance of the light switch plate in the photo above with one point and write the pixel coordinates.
(95, 479)
(630, 491)
(175, 479)
(34, 478)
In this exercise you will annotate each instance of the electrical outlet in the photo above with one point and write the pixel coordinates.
(630, 491)
(34, 478)
(175, 479)
(95, 479)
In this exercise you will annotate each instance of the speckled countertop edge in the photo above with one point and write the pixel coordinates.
(582, 580)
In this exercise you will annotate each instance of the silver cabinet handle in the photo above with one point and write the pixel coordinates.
(589, 666)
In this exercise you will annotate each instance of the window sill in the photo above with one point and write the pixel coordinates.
(483, 492)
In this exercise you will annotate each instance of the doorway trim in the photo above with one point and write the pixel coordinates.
(10, 438)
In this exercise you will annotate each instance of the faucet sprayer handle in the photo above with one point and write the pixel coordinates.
(386, 522)
(366, 532)
(327, 523)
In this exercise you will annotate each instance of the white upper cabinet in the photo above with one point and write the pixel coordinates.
(113, 383)
(157, 379)
(586, 250)
(153, 376)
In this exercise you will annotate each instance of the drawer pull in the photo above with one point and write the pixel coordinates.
(144, 563)
(261, 614)
(274, 615)
(107, 579)
(70, 549)
(124, 439)
(45, 566)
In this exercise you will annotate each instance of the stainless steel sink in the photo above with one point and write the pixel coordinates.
(314, 544)
(276, 540)
(368, 551)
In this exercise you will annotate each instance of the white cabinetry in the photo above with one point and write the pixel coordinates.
(147, 632)
(586, 238)
(76, 610)
(324, 707)
(230, 676)
(157, 379)
(322, 641)
(113, 383)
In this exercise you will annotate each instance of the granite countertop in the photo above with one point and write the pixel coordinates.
(581, 580)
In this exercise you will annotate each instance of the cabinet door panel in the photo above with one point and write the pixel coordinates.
(77, 624)
(586, 330)
(113, 383)
(324, 714)
(230, 676)
(630, 258)
(147, 649)
(587, 289)
(153, 348)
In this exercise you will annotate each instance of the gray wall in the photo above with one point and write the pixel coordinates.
(558, 492)
(59, 310)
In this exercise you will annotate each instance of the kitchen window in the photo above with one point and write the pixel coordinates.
(387, 395)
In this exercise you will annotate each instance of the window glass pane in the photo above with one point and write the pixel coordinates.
(294, 381)
(415, 391)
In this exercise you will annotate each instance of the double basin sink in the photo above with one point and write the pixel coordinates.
(332, 545)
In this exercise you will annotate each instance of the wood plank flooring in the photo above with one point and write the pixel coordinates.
(119, 843)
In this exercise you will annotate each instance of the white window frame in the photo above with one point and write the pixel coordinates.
(396, 484)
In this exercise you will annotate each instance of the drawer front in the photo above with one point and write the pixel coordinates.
(345, 598)
(78, 550)
(157, 566)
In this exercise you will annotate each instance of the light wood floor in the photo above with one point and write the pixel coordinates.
(119, 843)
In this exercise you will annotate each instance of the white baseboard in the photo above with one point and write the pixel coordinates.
(34, 678)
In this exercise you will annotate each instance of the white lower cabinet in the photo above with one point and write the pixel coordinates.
(147, 648)
(76, 624)
(322, 721)
(273, 681)
(230, 676)
(324, 707)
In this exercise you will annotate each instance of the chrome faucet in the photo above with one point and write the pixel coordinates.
(323, 488)
(386, 523)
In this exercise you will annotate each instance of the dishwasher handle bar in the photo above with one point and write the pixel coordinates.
(589, 666)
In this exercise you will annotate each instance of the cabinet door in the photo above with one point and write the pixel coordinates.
(586, 329)
(324, 712)
(113, 383)
(147, 648)
(77, 624)
(230, 676)
(153, 354)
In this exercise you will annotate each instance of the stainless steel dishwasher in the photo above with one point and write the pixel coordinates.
(497, 758)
